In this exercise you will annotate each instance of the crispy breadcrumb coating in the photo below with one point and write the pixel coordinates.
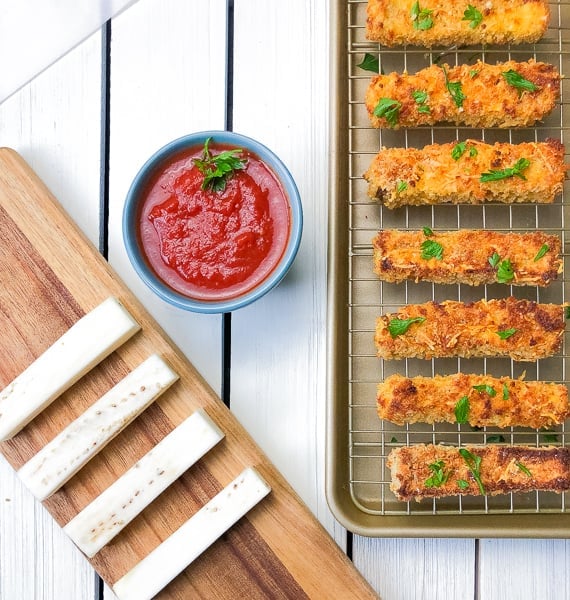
(477, 95)
(433, 471)
(458, 173)
(429, 23)
(485, 401)
(448, 329)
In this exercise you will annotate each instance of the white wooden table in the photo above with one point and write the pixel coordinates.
(158, 71)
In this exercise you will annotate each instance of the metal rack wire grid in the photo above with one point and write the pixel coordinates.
(370, 438)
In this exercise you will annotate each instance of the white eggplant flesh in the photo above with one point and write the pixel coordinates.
(77, 351)
(69, 451)
(99, 522)
(154, 572)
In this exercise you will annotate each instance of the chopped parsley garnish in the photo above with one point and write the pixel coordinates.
(431, 249)
(518, 81)
(389, 109)
(398, 327)
(473, 15)
(439, 476)
(219, 168)
(514, 171)
(458, 150)
(420, 97)
(543, 250)
(505, 391)
(394, 440)
(474, 463)
(505, 273)
(485, 388)
(401, 186)
(494, 259)
(427, 231)
(473, 73)
(421, 17)
(505, 334)
(523, 468)
(454, 89)
(473, 151)
(462, 484)
(370, 63)
(462, 410)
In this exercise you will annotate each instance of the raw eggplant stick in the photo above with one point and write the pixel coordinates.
(509, 94)
(468, 172)
(467, 256)
(433, 471)
(478, 400)
(429, 23)
(475, 329)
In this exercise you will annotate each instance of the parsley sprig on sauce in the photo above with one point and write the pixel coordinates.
(217, 169)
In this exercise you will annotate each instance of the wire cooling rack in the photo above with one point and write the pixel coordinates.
(370, 439)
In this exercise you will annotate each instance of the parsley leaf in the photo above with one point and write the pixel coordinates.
(473, 15)
(473, 151)
(458, 150)
(401, 186)
(485, 388)
(394, 440)
(505, 273)
(543, 250)
(474, 463)
(398, 327)
(462, 484)
(494, 439)
(219, 168)
(427, 231)
(514, 171)
(549, 436)
(370, 63)
(494, 259)
(523, 468)
(421, 17)
(473, 73)
(431, 249)
(462, 409)
(454, 88)
(439, 477)
(505, 391)
(505, 334)
(421, 98)
(389, 109)
(518, 81)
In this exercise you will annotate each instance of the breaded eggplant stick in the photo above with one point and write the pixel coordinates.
(468, 172)
(478, 400)
(433, 471)
(429, 23)
(509, 94)
(467, 256)
(520, 329)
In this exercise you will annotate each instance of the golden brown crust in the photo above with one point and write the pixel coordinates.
(503, 22)
(465, 256)
(490, 101)
(505, 402)
(431, 175)
(471, 329)
(503, 469)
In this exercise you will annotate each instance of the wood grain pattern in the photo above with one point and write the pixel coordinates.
(76, 273)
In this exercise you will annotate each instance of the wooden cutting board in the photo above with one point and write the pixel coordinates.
(51, 276)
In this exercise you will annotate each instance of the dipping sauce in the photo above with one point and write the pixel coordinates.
(214, 244)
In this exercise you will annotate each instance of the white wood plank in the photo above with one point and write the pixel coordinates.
(167, 79)
(414, 569)
(54, 122)
(278, 374)
(524, 569)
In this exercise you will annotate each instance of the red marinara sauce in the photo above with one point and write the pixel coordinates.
(214, 245)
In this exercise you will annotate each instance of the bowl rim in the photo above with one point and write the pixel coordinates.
(137, 258)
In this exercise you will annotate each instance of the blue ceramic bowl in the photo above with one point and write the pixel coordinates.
(135, 196)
